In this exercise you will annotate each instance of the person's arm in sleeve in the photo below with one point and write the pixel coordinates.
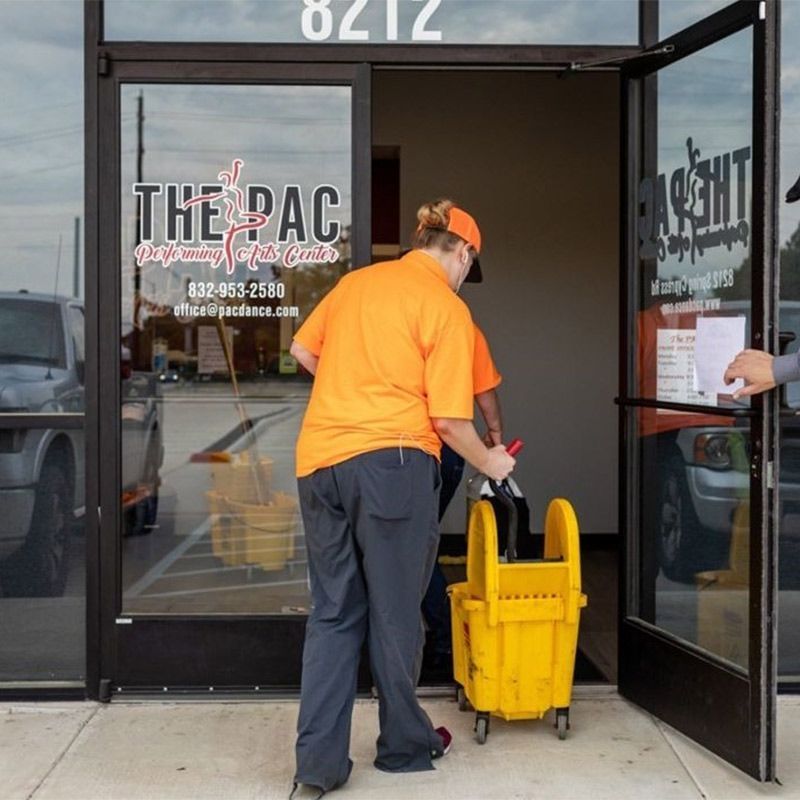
(762, 371)
(786, 368)
(486, 379)
(449, 387)
(307, 344)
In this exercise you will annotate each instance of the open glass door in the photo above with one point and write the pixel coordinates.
(697, 627)
(234, 196)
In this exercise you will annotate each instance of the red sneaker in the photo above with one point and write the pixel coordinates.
(447, 741)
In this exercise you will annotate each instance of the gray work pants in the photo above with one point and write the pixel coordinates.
(371, 528)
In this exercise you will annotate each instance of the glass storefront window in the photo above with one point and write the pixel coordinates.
(376, 21)
(42, 554)
(235, 223)
(42, 558)
(41, 161)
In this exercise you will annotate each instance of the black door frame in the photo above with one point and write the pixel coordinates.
(154, 652)
(731, 713)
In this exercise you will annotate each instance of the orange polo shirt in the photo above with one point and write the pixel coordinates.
(395, 347)
(484, 373)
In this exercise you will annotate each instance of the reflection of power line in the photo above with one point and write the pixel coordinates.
(26, 172)
(39, 107)
(23, 138)
(42, 134)
(241, 118)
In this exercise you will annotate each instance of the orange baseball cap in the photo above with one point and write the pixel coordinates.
(464, 226)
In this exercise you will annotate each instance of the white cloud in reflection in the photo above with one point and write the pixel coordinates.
(41, 140)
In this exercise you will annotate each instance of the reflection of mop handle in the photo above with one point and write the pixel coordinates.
(243, 417)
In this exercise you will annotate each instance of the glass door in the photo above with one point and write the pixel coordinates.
(229, 210)
(697, 633)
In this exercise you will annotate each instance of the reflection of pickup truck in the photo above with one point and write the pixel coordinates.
(704, 476)
(42, 488)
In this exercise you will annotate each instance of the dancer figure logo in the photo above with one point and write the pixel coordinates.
(238, 217)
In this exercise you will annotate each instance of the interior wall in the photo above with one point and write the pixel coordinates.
(536, 159)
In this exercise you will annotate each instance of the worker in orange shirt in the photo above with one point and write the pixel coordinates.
(391, 349)
(435, 605)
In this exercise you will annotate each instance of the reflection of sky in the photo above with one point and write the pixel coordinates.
(675, 15)
(41, 141)
(284, 134)
(707, 96)
(460, 21)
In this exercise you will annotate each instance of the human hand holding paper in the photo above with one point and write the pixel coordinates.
(718, 341)
(755, 366)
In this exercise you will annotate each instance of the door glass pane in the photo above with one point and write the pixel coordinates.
(236, 212)
(789, 215)
(691, 477)
(691, 506)
(376, 21)
(694, 222)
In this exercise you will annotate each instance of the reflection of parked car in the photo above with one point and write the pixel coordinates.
(142, 448)
(42, 469)
(704, 475)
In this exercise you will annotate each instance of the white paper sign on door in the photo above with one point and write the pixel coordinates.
(719, 340)
(675, 368)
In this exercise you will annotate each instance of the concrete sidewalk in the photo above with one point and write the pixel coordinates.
(244, 751)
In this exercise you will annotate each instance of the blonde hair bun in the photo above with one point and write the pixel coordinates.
(435, 214)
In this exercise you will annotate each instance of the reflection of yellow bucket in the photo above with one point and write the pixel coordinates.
(267, 531)
(239, 480)
(224, 543)
(724, 597)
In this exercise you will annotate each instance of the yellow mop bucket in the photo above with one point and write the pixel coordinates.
(515, 625)
(267, 530)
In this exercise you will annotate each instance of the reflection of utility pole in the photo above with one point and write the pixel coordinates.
(137, 270)
(76, 268)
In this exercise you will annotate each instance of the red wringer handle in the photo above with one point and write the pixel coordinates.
(514, 447)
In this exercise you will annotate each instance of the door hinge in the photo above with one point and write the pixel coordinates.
(770, 474)
(99, 515)
(123, 621)
(762, 10)
(103, 64)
